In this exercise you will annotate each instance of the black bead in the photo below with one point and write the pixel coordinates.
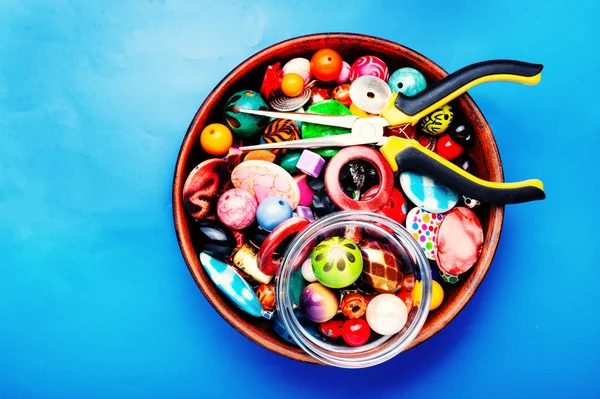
(214, 238)
(462, 134)
(322, 204)
(316, 183)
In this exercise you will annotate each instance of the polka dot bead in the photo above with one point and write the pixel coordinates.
(424, 227)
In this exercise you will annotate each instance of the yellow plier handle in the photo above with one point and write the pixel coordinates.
(404, 154)
(401, 109)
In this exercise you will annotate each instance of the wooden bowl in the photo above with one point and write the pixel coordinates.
(249, 75)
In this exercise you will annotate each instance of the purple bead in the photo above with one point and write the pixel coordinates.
(305, 212)
(310, 163)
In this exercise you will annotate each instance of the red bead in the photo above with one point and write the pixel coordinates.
(396, 208)
(407, 298)
(332, 328)
(448, 148)
(356, 332)
(408, 283)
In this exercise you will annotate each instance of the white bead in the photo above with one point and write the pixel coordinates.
(307, 271)
(386, 314)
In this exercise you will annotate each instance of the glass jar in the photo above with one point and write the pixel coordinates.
(366, 224)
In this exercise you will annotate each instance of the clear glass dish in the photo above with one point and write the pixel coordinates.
(379, 348)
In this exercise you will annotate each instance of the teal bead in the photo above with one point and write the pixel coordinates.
(311, 130)
(297, 285)
(230, 283)
(289, 161)
(245, 125)
(407, 81)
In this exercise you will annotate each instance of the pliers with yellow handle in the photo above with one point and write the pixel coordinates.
(405, 154)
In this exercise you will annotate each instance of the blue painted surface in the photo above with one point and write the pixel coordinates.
(95, 299)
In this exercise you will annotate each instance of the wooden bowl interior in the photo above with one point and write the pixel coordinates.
(248, 75)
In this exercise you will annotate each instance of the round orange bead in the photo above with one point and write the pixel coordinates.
(216, 139)
(292, 85)
(326, 64)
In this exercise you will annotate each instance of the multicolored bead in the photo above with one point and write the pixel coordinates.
(337, 262)
(369, 65)
(241, 124)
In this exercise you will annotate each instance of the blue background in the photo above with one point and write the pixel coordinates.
(95, 299)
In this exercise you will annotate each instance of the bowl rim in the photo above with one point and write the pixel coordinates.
(224, 309)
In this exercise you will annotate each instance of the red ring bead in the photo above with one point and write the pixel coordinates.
(276, 237)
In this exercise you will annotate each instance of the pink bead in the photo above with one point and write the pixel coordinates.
(305, 212)
(344, 75)
(306, 193)
(310, 163)
(237, 208)
(369, 65)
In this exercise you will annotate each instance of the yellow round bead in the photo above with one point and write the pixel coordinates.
(292, 85)
(216, 139)
(437, 294)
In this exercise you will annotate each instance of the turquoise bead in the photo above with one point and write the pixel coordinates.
(229, 282)
(407, 81)
(245, 125)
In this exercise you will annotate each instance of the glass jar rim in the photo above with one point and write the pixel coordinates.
(351, 357)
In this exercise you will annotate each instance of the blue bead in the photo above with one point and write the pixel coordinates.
(229, 282)
(407, 81)
(272, 211)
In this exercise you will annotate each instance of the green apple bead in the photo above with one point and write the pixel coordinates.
(337, 262)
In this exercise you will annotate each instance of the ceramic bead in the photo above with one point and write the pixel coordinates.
(264, 179)
(214, 238)
(459, 241)
(386, 314)
(407, 81)
(424, 226)
(216, 139)
(449, 278)
(204, 185)
(380, 267)
(301, 66)
(438, 121)
(312, 130)
(337, 262)
(307, 271)
(326, 64)
(266, 295)
(426, 193)
(369, 65)
(356, 332)
(245, 125)
(237, 208)
(306, 192)
(344, 75)
(310, 163)
(272, 211)
(332, 328)
(318, 303)
(353, 306)
(229, 282)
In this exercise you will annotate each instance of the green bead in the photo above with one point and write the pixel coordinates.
(337, 262)
(311, 130)
(297, 285)
(245, 125)
(449, 278)
(289, 161)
